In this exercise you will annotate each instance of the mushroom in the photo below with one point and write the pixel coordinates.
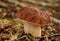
(33, 20)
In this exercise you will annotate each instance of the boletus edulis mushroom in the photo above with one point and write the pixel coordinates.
(33, 19)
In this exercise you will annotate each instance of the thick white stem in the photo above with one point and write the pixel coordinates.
(34, 30)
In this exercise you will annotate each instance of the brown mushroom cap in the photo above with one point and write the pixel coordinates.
(35, 16)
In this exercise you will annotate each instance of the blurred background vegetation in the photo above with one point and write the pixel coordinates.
(11, 29)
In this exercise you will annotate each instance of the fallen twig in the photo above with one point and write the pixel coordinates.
(55, 35)
(56, 21)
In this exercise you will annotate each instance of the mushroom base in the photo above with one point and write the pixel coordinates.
(34, 30)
